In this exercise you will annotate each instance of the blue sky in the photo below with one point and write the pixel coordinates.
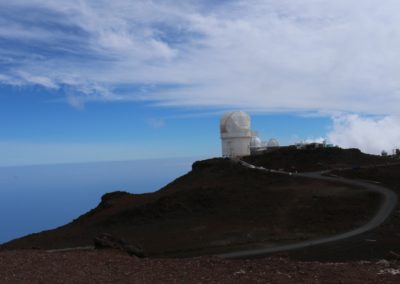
(120, 80)
(37, 128)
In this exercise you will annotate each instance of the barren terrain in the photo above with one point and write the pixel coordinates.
(115, 267)
(221, 206)
(382, 242)
(291, 159)
(218, 206)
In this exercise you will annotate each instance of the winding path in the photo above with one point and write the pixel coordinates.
(388, 205)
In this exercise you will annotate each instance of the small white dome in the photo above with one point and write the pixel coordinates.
(255, 142)
(272, 143)
(235, 122)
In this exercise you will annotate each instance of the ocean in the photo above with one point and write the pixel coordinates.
(37, 198)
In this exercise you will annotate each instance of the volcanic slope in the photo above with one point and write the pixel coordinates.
(381, 243)
(292, 159)
(218, 206)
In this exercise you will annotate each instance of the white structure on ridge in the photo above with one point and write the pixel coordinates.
(272, 143)
(239, 140)
(236, 134)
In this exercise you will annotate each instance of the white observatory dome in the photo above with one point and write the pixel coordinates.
(235, 122)
(255, 142)
(235, 134)
(272, 143)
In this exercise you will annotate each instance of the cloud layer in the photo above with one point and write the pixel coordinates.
(289, 55)
(371, 135)
(318, 56)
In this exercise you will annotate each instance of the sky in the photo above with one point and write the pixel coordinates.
(121, 80)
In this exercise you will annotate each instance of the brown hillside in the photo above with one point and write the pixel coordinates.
(291, 159)
(218, 205)
(380, 243)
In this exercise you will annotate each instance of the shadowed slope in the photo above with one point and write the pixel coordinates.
(290, 159)
(219, 204)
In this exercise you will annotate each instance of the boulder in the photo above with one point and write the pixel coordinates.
(105, 240)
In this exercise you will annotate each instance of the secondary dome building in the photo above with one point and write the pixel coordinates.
(236, 134)
(272, 143)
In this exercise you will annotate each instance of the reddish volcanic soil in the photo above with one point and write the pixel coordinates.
(115, 267)
(382, 242)
(218, 206)
(291, 159)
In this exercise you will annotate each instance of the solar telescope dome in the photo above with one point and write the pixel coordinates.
(235, 122)
(235, 134)
(255, 142)
(272, 143)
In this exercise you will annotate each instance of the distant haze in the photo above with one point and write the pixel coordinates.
(36, 198)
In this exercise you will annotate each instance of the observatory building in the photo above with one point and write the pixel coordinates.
(272, 143)
(236, 134)
(239, 140)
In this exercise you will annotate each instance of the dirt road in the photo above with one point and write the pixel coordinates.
(389, 201)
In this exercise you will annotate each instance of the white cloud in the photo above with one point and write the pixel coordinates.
(5, 79)
(38, 80)
(300, 55)
(156, 122)
(76, 102)
(371, 135)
